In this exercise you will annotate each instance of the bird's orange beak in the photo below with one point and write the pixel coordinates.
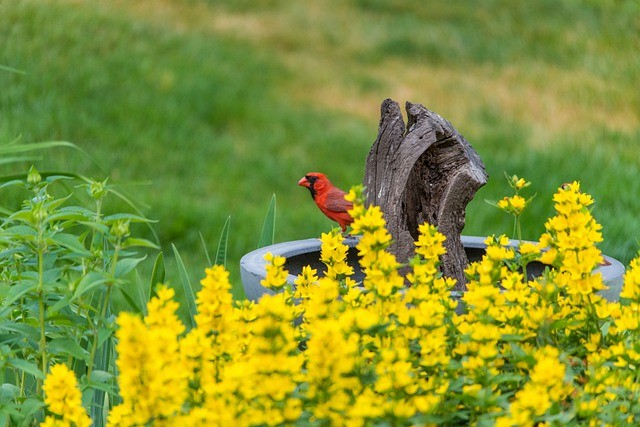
(303, 182)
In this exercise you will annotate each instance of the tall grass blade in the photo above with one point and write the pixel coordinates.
(223, 243)
(187, 289)
(15, 147)
(101, 363)
(268, 235)
(158, 272)
(204, 248)
(16, 159)
(12, 70)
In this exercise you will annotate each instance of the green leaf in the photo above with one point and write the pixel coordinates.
(11, 182)
(8, 392)
(54, 204)
(186, 288)
(98, 376)
(136, 242)
(67, 346)
(22, 216)
(103, 386)
(100, 228)
(130, 300)
(60, 304)
(90, 282)
(17, 291)
(29, 408)
(70, 241)
(22, 329)
(267, 236)
(21, 231)
(57, 176)
(127, 217)
(223, 242)
(72, 213)
(27, 367)
(604, 329)
(126, 266)
(101, 380)
(103, 335)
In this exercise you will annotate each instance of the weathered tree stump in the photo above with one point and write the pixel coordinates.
(424, 171)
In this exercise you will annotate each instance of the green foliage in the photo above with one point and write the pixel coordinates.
(186, 290)
(268, 234)
(62, 267)
(223, 242)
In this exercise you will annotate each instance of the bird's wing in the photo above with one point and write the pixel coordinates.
(335, 201)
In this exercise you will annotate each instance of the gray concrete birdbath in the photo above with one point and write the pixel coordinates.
(421, 170)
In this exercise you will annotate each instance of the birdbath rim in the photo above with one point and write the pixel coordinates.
(252, 264)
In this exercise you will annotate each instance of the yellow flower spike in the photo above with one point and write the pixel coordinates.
(152, 379)
(333, 254)
(276, 275)
(307, 277)
(631, 284)
(63, 398)
(214, 300)
(430, 243)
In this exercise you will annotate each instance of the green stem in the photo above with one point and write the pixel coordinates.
(103, 311)
(23, 378)
(41, 308)
(517, 231)
(594, 315)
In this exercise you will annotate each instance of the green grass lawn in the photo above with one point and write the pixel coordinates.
(204, 109)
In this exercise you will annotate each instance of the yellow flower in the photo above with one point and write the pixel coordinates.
(528, 248)
(276, 275)
(63, 398)
(333, 254)
(430, 243)
(214, 300)
(307, 278)
(514, 204)
(471, 389)
(520, 183)
(629, 319)
(152, 376)
(372, 219)
(631, 285)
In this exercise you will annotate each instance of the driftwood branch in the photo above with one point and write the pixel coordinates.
(423, 171)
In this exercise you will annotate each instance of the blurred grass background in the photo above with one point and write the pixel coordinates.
(204, 109)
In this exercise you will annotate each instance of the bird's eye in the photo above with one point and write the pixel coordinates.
(311, 178)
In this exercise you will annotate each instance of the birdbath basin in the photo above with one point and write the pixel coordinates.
(300, 253)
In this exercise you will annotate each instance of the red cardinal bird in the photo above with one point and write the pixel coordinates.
(329, 198)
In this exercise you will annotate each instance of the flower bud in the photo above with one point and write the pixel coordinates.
(33, 177)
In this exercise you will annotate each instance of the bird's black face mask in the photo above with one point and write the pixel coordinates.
(311, 180)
